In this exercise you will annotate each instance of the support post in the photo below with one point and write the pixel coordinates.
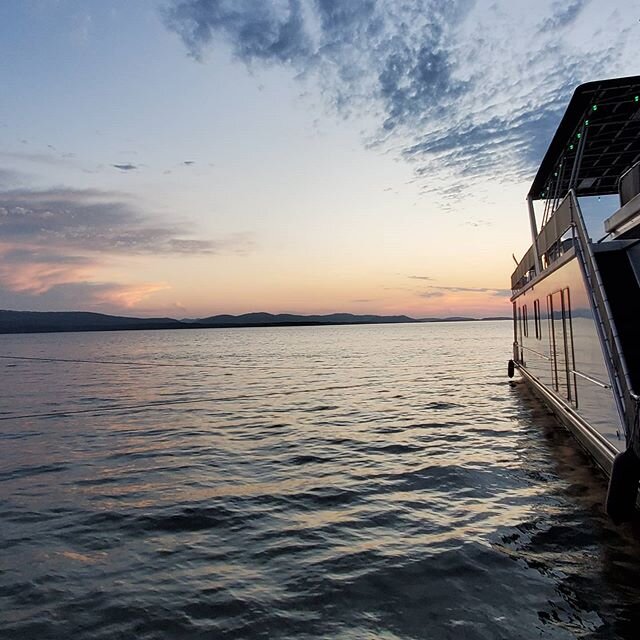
(534, 235)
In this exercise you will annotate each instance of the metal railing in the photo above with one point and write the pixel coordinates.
(626, 399)
(556, 226)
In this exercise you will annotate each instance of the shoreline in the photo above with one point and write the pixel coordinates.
(239, 325)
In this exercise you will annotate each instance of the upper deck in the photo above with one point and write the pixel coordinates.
(594, 152)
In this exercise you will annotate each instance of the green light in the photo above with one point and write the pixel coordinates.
(586, 123)
(571, 147)
(595, 107)
(579, 136)
(555, 174)
(636, 98)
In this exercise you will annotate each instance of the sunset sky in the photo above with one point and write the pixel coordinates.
(194, 157)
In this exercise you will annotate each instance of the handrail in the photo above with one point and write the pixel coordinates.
(524, 267)
(553, 230)
(626, 399)
(578, 373)
(590, 379)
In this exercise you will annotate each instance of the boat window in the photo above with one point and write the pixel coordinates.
(552, 342)
(525, 320)
(520, 322)
(536, 319)
(571, 357)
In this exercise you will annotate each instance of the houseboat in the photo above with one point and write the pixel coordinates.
(576, 291)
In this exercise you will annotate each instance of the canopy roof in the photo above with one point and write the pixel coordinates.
(603, 117)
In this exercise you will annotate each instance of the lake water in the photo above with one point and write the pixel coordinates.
(314, 482)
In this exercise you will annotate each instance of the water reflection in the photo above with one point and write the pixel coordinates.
(596, 564)
(381, 492)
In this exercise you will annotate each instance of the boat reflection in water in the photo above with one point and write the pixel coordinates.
(576, 301)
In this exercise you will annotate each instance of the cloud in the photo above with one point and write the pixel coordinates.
(477, 223)
(55, 239)
(108, 297)
(33, 270)
(97, 221)
(32, 277)
(437, 291)
(125, 167)
(188, 163)
(420, 278)
(255, 29)
(9, 178)
(563, 15)
(38, 158)
(461, 89)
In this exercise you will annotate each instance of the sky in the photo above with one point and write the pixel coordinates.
(186, 158)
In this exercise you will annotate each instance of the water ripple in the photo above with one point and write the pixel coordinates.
(343, 482)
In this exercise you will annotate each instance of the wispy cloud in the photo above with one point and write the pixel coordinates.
(437, 291)
(10, 178)
(432, 294)
(98, 221)
(109, 297)
(461, 89)
(33, 269)
(57, 239)
(49, 159)
(563, 14)
(46, 278)
(125, 167)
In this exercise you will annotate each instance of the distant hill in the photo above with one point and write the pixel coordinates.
(464, 319)
(449, 319)
(270, 319)
(44, 321)
(50, 321)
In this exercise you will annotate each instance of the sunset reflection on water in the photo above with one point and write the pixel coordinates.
(339, 481)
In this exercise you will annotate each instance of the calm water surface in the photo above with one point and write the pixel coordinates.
(331, 482)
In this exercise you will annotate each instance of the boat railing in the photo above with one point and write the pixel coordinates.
(550, 243)
(625, 396)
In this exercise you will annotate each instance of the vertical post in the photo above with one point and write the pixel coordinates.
(534, 235)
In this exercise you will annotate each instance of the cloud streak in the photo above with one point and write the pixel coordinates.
(125, 167)
(437, 291)
(108, 297)
(462, 90)
(56, 240)
(91, 220)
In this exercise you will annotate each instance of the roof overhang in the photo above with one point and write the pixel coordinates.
(599, 134)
